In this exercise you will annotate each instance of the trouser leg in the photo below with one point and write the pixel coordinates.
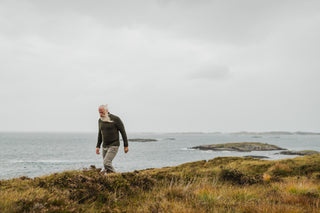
(108, 155)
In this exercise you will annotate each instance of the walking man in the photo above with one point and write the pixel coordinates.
(109, 128)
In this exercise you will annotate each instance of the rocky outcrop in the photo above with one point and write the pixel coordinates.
(240, 147)
(256, 156)
(304, 152)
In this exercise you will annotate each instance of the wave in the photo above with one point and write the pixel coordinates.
(49, 161)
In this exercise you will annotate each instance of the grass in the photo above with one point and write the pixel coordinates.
(228, 184)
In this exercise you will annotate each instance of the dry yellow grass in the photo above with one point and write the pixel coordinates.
(219, 185)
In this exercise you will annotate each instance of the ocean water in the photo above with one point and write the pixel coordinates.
(37, 154)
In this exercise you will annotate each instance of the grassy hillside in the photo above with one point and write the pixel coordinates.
(229, 184)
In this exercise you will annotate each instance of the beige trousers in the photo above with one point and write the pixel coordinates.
(108, 155)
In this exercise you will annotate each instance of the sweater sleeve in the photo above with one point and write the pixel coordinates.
(120, 127)
(99, 136)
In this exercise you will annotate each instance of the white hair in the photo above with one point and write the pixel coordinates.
(103, 106)
(106, 117)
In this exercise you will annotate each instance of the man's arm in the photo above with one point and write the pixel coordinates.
(123, 134)
(99, 140)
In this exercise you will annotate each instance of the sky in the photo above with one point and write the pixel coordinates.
(160, 65)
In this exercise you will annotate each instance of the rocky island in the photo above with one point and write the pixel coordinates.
(142, 140)
(256, 156)
(240, 147)
(303, 152)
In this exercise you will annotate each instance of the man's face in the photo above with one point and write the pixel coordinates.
(102, 112)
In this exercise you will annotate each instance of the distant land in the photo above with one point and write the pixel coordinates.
(191, 133)
(276, 133)
(253, 133)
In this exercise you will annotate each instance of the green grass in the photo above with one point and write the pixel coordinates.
(228, 184)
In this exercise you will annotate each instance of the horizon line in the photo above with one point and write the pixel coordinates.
(176, 132)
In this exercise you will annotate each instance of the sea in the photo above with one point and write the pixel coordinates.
(38, 154)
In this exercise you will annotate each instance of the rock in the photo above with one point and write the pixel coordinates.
(240, 147)
(304, 152)
(170, 139)
(256, 156)
(142, 140)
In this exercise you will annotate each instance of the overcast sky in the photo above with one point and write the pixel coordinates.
(162, 65)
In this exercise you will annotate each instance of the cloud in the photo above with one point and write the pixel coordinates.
(231, 22)
(154, 60)
(211, 72)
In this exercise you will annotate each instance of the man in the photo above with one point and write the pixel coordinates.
(109, 127)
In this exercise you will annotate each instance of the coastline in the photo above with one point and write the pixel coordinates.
(74, 151)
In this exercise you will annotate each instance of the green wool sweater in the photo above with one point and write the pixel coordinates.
(109, 132)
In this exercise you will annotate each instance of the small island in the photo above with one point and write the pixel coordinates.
(240, 147)
(256, 156)
(302, 153)
(142, 140)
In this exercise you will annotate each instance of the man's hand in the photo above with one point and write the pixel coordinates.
(98, 151)
(126, 149)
